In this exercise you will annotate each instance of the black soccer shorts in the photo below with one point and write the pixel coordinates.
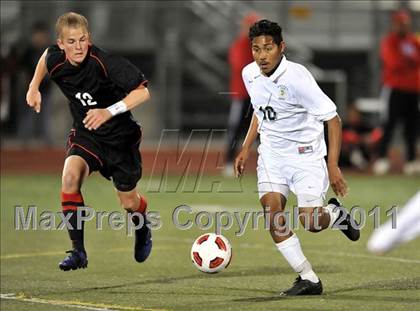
(118, 160)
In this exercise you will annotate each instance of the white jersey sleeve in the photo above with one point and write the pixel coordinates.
(312, 98)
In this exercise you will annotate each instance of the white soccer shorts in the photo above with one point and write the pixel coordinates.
(308, 180)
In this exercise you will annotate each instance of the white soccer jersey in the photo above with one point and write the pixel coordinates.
(290, 108)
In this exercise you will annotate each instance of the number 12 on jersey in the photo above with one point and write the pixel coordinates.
(86, 99)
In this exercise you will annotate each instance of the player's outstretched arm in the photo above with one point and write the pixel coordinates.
(96, 117)
(242, 156)
(337, 181)
(137, 97)
(33, 96)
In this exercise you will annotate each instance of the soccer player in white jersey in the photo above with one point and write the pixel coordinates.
(289, 114)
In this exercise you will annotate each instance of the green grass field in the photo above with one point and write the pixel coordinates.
(353, 279)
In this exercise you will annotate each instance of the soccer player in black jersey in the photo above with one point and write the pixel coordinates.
(101, 89)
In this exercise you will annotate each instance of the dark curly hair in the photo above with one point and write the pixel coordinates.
(265, 27)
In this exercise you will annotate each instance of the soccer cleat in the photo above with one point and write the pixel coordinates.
(344, 222)
(76, 260)
(303, 287)
(143, 242)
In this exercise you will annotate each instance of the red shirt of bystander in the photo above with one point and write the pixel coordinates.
(240, 55)
(400, 53)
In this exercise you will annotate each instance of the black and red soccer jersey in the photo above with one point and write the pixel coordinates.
(99, 82)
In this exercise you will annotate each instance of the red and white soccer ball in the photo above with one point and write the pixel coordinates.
(211, 252)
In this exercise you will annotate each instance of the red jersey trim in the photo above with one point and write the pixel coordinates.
(56, 66)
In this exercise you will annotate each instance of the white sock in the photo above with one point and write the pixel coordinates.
(334, 212)
(292, 252)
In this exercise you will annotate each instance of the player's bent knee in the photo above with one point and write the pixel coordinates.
(273, 201)
(130, 203)
(308, 221)
(74, 171)
(71, 182)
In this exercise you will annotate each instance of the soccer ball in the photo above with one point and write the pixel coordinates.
(211, 253)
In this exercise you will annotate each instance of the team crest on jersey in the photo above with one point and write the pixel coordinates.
(283, 92)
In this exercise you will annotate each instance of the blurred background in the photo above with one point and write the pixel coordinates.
(182, 48)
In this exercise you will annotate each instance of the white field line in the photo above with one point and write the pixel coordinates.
(240, 245)
(73, 303)
(42, 254)
(35, 254)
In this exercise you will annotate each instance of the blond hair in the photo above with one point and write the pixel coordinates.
(71, 19)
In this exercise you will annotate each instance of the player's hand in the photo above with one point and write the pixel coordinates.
(337, 181)
(240, 160)
(95, 118)
(33, 99)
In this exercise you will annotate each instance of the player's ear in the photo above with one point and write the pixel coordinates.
(60, 44)
(282, 47)
(89, 38)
